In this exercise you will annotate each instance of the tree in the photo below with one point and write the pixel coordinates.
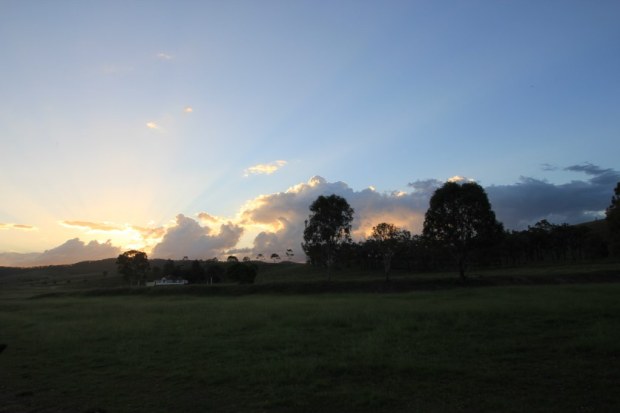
(613, 221)
(169, 268)
(327, 227)
(196, 274)
(133, 265)
(388, 237)
(289, 253)
(460, 218)
(214, 272)
(275, 257)
(232, 258)
(242, 273)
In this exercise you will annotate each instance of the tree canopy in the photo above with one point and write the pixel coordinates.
(133, 265)
(387, 237)
(328, 226)
(460, 217)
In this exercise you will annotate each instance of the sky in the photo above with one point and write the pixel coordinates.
(207, 128)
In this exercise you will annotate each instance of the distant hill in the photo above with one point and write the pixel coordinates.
(598, 227)
(84, 267)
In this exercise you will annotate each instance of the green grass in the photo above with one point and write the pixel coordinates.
(509, 349)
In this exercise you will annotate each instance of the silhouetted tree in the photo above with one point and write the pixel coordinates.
(275, 257)
(242, 273)
(328, 226)
(214, 272)
(169, 268)
(232, 258)
(613, 221)
(460, 218)
(196, 274)
(133, 265)
(387, 238)
(289, 253)
(260, 257)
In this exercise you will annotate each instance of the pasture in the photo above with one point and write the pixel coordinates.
(545, 348)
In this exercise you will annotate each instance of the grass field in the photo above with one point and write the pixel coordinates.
(510, 349)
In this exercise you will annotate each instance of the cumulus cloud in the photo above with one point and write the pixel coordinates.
(531, 200)
(275, 222)
(153, 125)
(21, 227)
(189, 238)
(264, 169)
(282, 214)
(427, 186)
(72, 251)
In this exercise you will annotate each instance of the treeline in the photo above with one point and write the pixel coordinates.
(541, 243)
(460, 231)
(207, 272)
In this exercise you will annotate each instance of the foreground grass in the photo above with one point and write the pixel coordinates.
(542, 348)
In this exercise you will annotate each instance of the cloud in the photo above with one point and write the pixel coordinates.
(189, 238)
(153, 125)
(147, 233)
(188, 109)
(21, 227)
(275, 222)
(589, 169)
(130, 236)
(72, 251)
(531, 200)
(282, 215)
(163, 56)
(91, 226)
(427, 186)
(548, 167)
(459, 179)
(264, 169)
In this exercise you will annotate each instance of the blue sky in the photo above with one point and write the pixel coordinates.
(130, 122)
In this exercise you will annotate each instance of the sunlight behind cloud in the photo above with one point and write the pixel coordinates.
(123, 236)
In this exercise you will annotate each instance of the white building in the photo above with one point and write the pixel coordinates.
(167, 281)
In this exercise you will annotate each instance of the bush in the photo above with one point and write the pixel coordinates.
(242, 273)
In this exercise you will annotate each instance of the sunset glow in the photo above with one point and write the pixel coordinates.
(213, 137)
